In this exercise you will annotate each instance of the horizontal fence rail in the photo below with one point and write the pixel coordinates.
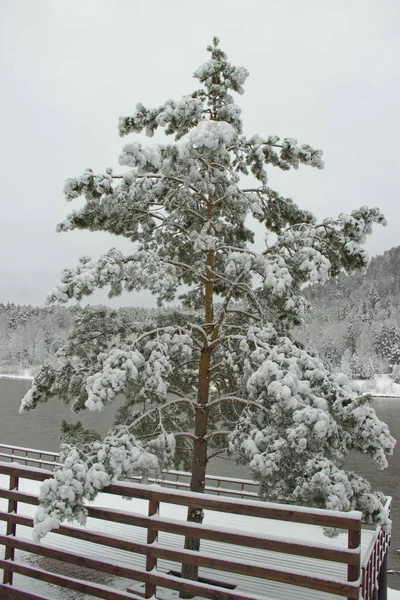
(215, 484)
(370, 570)
(154, 550)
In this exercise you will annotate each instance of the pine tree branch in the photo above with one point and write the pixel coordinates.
(164, 220)
(201, 333)
(225, 279)
(217, 453)
(215, 368)
(232, 336)
(224, 309)
(214, 434)
(183, 434)
(251, 403)
(157, 330)
(196, 214)
(176, 392)
(243, 312)
(236, 249)
(165, 406)
(185, 267)
(169, 178)
(256, 191)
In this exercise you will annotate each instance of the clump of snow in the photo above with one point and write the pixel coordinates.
(135, 155)
(209, 134)
(119, 367)
(84, 473)
(185, 108)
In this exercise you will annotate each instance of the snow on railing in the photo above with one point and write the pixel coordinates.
(255, 562)
(215, 484)
(373, 567)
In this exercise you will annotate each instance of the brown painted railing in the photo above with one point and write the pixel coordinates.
(373, 575)
(374, 562)
(154, 550)
(28, 456)
(215, 484)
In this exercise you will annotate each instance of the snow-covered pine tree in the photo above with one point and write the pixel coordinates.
(394, 358)
(387, 339)
(395, 374)
(224, 373)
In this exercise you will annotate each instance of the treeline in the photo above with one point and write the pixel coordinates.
(354, 322)
(30, 336)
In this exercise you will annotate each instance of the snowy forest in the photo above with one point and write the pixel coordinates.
(353, 322)
(31, 336)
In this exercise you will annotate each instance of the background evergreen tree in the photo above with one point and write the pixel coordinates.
(387, 340)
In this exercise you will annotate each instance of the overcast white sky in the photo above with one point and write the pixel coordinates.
(324, 72)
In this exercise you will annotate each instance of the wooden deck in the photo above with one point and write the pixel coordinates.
(255, 556)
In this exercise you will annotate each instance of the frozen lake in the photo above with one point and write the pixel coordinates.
(40, 429)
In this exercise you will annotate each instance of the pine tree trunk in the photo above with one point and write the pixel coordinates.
(199, 464)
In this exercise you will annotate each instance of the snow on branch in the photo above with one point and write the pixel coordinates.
(119, 367)
(91, 185)
(141, 270)
(311, 414)
(176, 116)
(84, 473)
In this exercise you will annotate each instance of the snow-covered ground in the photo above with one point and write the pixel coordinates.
(3, 376)
(380, 385)
(16, 372)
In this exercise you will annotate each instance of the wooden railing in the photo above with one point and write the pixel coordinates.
(28, 456)
(155, 549)
(374, 562)
(215, 484)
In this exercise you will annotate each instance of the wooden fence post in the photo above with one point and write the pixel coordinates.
(152, 536)
(382, 580)
(354, 540)
(11, 529)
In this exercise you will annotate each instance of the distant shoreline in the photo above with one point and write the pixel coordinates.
(25, 377)
(374, 394)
